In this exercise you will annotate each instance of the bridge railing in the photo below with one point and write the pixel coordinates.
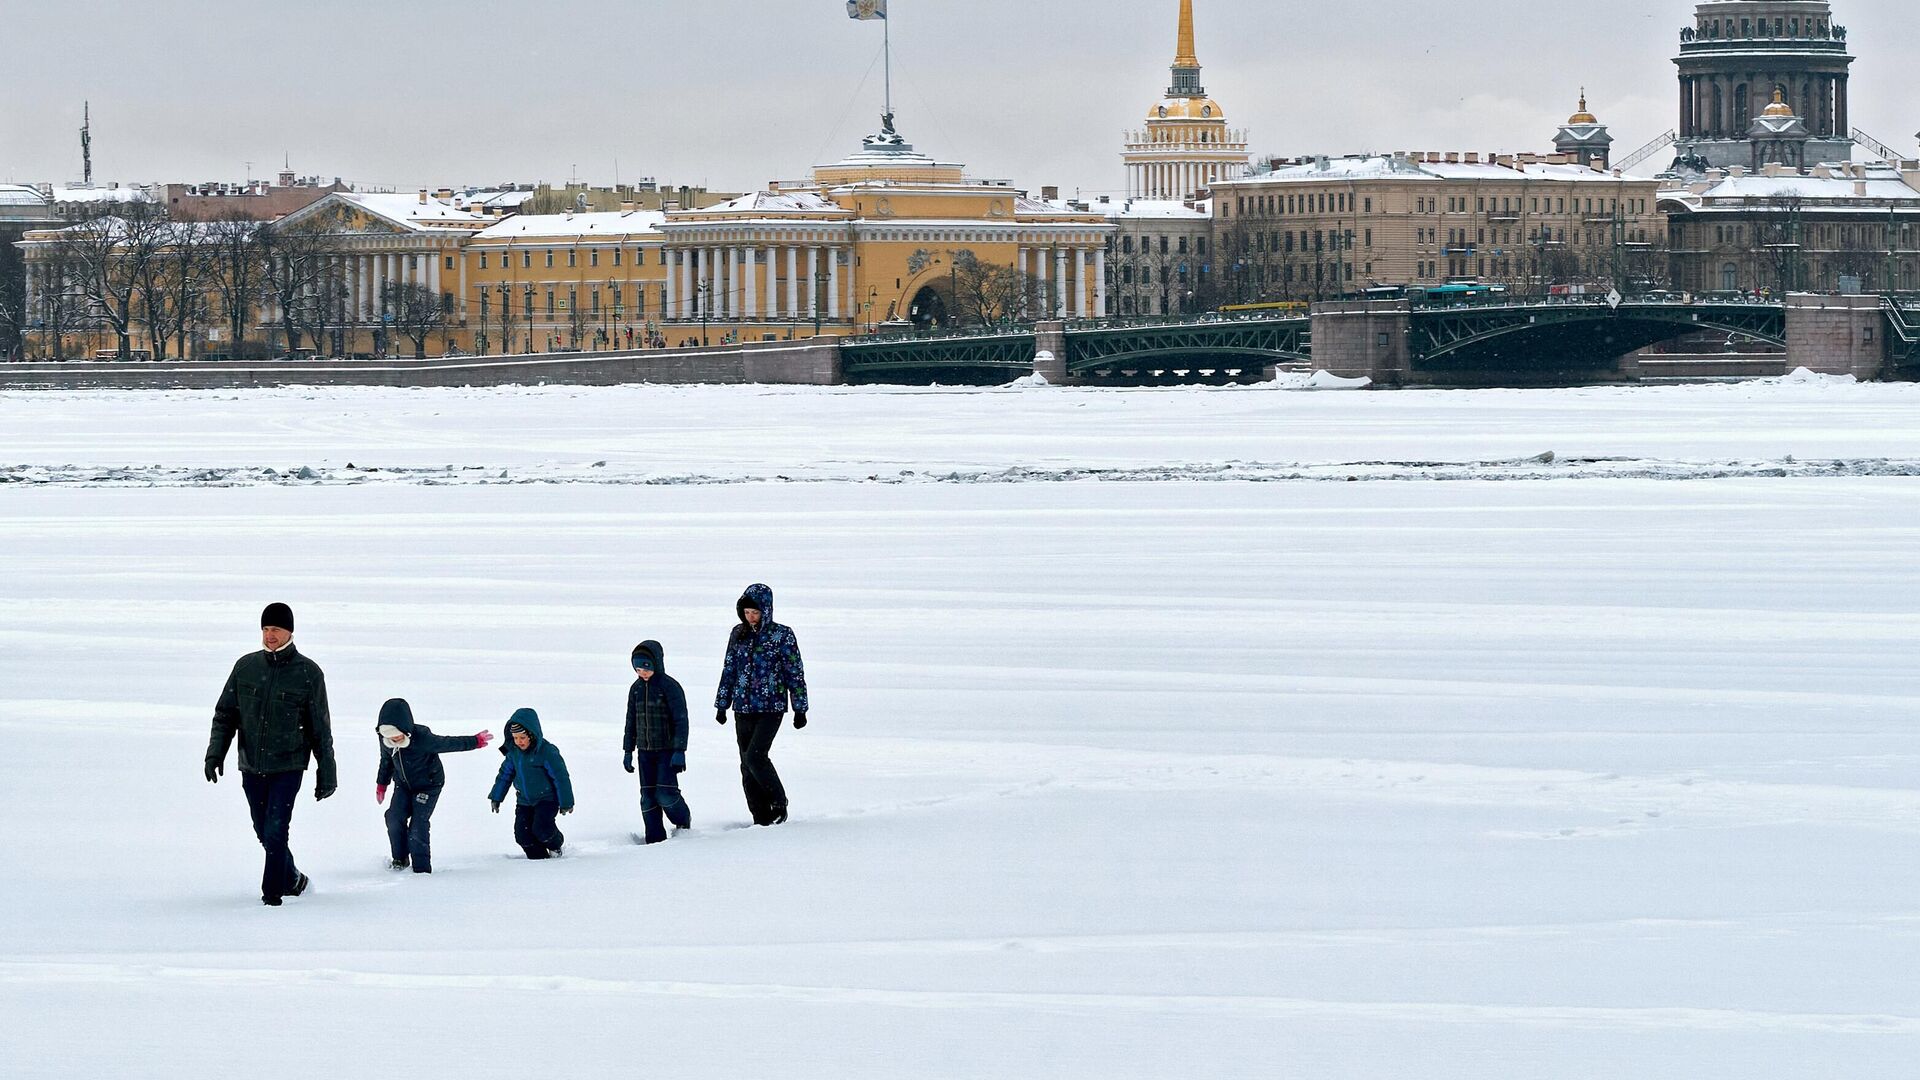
(1134, 322)
(958, 334)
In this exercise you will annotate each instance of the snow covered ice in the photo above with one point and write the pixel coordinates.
(1211, 733)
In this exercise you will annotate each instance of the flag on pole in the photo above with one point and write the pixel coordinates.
(866, 9)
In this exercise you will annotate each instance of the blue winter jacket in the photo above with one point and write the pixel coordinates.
(763, 672)
(537, 774)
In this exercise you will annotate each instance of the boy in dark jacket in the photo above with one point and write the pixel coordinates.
(762, 674)
(410, 760)
(657, 731)
(538, 774)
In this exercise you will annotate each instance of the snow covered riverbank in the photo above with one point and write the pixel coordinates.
(1105, 779)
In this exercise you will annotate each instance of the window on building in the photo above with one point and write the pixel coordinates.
(526, 259)
(593, 257)
(483, 260)
(449, 265)
(1201, 245)
(549, 256)
(573, 257)
(550, 308)
(616, 256)
(573, 299)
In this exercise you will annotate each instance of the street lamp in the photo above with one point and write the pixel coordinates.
(705, 291)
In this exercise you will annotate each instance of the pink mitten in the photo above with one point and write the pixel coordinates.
(483, 739)
(379, 793)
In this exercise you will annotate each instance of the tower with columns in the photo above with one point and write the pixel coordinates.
(1737, 55)
(1186, 144)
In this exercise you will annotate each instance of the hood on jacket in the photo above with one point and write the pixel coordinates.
(652, 649)
(396, 713)
(528, 719)
(758, 596)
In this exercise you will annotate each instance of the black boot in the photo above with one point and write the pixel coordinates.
(299, 885)
(397, 864)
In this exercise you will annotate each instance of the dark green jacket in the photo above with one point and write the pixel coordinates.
(277, 704)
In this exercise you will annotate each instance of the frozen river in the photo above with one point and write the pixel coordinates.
(1144, 742)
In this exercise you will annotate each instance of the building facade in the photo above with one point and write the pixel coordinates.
(1185, 144)
(1329, 227)
(553, 282)
(1159, 256)
(1852, 228)
(887, 237)
(1734, 58)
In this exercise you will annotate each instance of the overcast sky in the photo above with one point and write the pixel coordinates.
(734, 93)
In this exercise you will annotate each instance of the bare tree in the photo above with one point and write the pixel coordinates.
(112, 252)
(987, 293)
(417, 312)
(173, 287)
(1852, 254)
(1780, 241)
(576, 320)
(237, 267)
(291, 263)
(13, 300)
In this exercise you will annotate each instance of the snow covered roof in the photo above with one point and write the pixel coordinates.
(567, 226)
(1832, 186)
(1149, 210)
(18, 195)
(412, 211)
(782, 202)
(82, 193)
(1408, 167)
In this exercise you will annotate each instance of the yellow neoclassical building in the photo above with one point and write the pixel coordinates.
(886, 238)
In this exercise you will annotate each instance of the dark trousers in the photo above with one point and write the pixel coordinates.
(409, 819)
(766, 797)
(270, 800)
(534, 829)
(660, 794)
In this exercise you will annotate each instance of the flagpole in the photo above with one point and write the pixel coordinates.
(887, 38)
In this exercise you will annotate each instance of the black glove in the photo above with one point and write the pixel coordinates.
(566, 810)
(496, 805)
(627, 762)
(799, 719)
(720, 715)
(215, 770)
(679, 761)
(321, 793)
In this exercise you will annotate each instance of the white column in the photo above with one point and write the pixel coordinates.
(753, 284)
(709, 284)
(793, 282)
(1100, 283)
(736, 288)
(687, 297)
(1020, 264)
(433, 271)
(811, 294)
(672, 268)
(833, 284)
(770, 299)
(1060, 273)
(1080, 282)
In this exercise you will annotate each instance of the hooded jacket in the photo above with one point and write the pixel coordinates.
(656, 708)
(276, 703)
(763, 672)
(537, 774)
(416, 765)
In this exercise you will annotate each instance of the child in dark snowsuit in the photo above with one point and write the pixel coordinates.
(538, 775)
(410, 760)
(657, 731)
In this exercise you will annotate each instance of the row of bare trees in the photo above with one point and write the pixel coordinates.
(155, 285)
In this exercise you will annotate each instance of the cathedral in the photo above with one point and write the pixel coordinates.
(1762, 81)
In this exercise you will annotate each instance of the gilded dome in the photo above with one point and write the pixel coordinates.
(1583, 116)
(1180, 108)
(1779, 106)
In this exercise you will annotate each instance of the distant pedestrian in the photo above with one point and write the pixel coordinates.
(763, 674)
(410, 760)
(657, 732)
(275, 702)
(538, 775)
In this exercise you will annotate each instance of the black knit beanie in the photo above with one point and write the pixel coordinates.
(279, 615)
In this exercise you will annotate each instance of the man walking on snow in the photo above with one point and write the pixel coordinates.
(762, 674)
(276, 702)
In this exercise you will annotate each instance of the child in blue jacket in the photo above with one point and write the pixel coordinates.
(538, 774)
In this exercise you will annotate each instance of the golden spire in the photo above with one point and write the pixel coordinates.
(1184, 56)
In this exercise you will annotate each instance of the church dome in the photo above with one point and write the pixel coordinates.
(1582, 116)
(1779, 106)
(1181, 108)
